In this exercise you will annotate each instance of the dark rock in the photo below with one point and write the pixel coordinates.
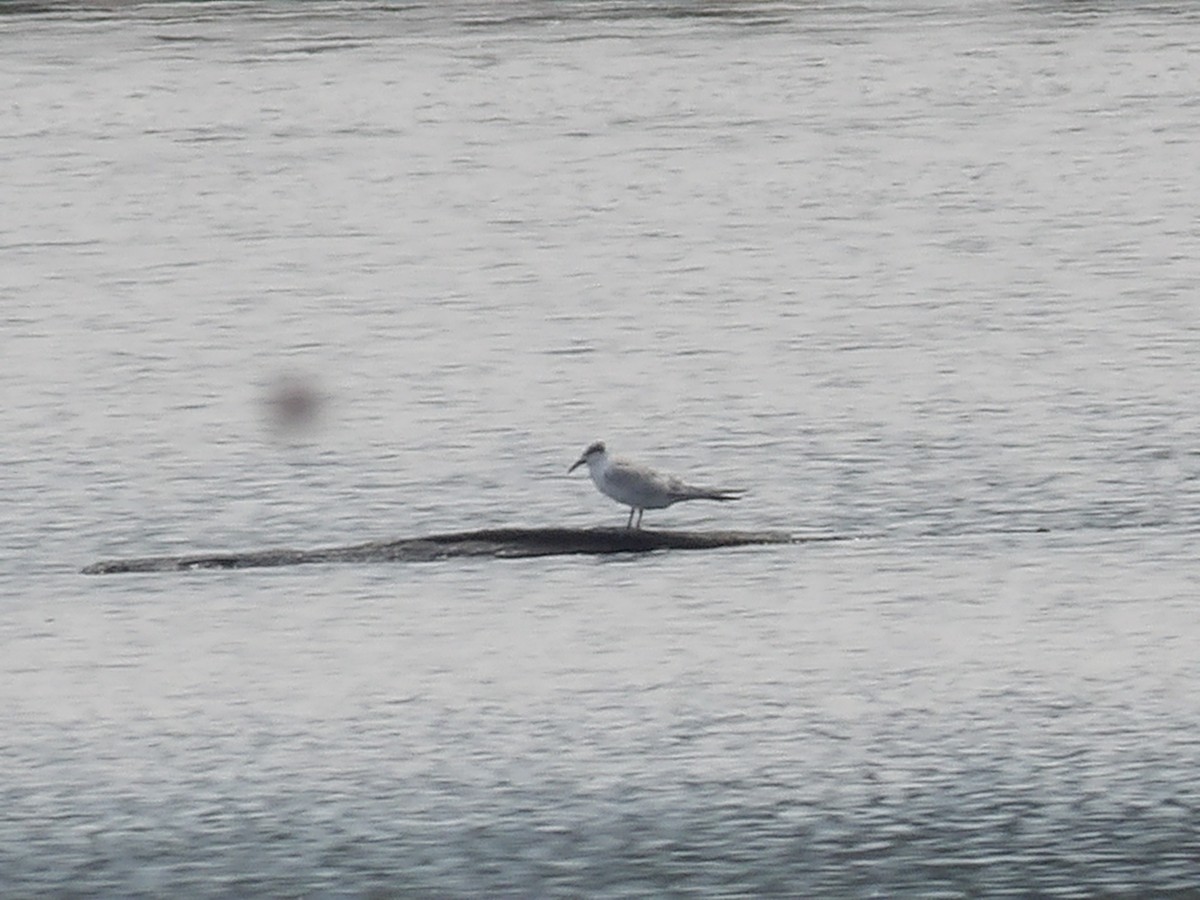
(501, 543)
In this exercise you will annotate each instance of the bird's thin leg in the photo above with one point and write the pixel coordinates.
(639, 524)
(629, 524)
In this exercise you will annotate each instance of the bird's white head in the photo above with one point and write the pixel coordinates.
(593, 454)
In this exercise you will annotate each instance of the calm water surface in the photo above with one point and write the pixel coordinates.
(919, 275)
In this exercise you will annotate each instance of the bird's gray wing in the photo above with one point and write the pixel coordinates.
(657, 489)
(628, 477)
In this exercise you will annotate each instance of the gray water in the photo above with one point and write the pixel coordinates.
(922, 276)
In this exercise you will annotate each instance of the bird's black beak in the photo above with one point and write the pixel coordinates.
(579, 462)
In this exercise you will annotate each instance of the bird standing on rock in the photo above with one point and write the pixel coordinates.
(639, 487)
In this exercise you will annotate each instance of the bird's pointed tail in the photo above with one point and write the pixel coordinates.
(722, 494)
